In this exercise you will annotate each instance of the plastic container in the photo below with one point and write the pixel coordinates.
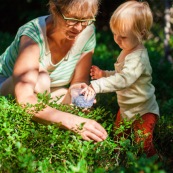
(79, 100)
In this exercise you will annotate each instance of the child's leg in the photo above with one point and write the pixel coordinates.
(118, 120)
(146, 125)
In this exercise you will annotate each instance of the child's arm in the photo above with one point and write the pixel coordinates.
(109, 73)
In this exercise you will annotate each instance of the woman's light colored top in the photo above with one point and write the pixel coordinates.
(60, 73)
(132, 83)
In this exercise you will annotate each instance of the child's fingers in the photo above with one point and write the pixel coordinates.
(92, 74)
(90, 96)
(93, 77)
(88, 93)
(94, 67)
(83, 91)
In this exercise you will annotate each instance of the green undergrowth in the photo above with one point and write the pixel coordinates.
(29, 147)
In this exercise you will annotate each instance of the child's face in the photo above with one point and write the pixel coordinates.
(126, 41)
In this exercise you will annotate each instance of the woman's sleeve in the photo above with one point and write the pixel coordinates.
(32, 31)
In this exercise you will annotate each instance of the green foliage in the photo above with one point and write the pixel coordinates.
(29, 147)
(105, 54)
(5, 41)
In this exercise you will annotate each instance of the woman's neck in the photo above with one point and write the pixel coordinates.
(55, 35)
(59, 45)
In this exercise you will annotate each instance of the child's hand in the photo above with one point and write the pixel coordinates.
(96, 72)
(89, 93)
(75, 90)
(82, 95)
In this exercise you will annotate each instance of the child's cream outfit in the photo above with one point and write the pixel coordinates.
(132, 83)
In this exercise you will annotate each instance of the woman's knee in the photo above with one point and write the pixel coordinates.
(43, 83)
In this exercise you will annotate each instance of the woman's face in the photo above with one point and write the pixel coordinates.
(72, 25)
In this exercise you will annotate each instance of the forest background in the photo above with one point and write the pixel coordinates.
(18, 155)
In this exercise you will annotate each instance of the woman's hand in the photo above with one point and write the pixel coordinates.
(96, 72)
(82, 88)
(78, 86)
(89, 129)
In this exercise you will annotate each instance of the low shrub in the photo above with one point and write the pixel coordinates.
(30, 147)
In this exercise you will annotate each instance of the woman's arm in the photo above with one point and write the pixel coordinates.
(26, 71)
(81, 74)
(82, 70)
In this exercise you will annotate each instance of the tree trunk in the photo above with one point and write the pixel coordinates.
(167, 30)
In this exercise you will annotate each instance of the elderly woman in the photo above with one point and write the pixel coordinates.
(50, 53)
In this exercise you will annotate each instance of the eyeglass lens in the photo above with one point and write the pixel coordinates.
(83, 23)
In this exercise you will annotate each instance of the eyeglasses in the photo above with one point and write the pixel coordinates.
(73, 21)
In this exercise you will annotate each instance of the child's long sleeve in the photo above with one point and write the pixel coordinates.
(109, 72)
(132, 84)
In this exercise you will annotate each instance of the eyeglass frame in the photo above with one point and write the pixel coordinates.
(77, 20)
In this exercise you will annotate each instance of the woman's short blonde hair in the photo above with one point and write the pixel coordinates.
(79, 8)
(134, 16)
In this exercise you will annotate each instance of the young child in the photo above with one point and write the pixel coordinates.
(131, 80)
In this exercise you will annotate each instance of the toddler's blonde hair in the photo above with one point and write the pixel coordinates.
(134, 16)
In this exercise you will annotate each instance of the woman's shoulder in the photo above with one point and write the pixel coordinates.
(36, 22)
(35, 30)
(88, 31)
(86, 39)
(87, 34)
